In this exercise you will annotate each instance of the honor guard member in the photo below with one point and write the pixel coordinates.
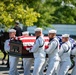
(38, 51)
(13, 61)
(52, 52)
(18, 29)
(73, 52)
(64, 54)
(27, 62)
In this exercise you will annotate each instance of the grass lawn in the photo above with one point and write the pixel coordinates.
(1, 55)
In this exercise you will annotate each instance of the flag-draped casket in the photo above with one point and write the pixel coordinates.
(19, 45)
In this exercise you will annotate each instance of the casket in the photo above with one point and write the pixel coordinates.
(18, 46)
(16, 49)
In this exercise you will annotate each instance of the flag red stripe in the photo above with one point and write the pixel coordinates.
(29, 40)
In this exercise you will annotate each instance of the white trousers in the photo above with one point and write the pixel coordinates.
(13, 61)
(57, 67)
(27, 63)
(38, 64)
(64, 67)
(52, 67)
(74, 69)
(43, 67)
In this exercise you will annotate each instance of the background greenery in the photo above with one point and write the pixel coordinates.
(1, 55)
(41, 13)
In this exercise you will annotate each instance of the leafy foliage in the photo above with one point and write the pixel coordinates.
(10, 10)
(41, 13)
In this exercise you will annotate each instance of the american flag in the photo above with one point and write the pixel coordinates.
(28, 41)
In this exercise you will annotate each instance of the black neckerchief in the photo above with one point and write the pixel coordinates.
(37, 37)
(51, 39)
(63, 42)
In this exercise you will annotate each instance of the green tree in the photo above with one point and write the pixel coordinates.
(65, 14)
(11, 10)
(53, 12)
(37, 12)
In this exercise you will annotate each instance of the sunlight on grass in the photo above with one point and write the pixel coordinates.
(1, 55)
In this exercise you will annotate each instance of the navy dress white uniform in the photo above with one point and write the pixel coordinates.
(74, 53)
(53, 56)
(39, 54)
(27, 62)
(64, 53)
(13, 61)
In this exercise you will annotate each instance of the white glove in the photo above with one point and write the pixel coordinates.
(7, 51)
(28, 49)
(44, 50)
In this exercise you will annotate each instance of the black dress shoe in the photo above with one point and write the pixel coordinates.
(8, 66)
(2, 63)
(21, 68)
(45, 70)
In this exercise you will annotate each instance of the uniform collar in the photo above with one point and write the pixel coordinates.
(51, 39)
(65, 42)
(37, 37)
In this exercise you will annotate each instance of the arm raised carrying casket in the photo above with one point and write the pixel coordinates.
(39, 43)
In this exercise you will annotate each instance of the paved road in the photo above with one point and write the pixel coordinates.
(4, 70)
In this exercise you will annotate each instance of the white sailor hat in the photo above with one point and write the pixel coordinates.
(17, 21)
(52, 31)
(38, 29)
(25, 32)
(12, 30)
(65, 35)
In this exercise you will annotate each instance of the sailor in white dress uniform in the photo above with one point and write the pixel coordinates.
(64, 54)
(73, 52)
(38, 51)
(13, 61)
(52, 52)
(27, 62)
